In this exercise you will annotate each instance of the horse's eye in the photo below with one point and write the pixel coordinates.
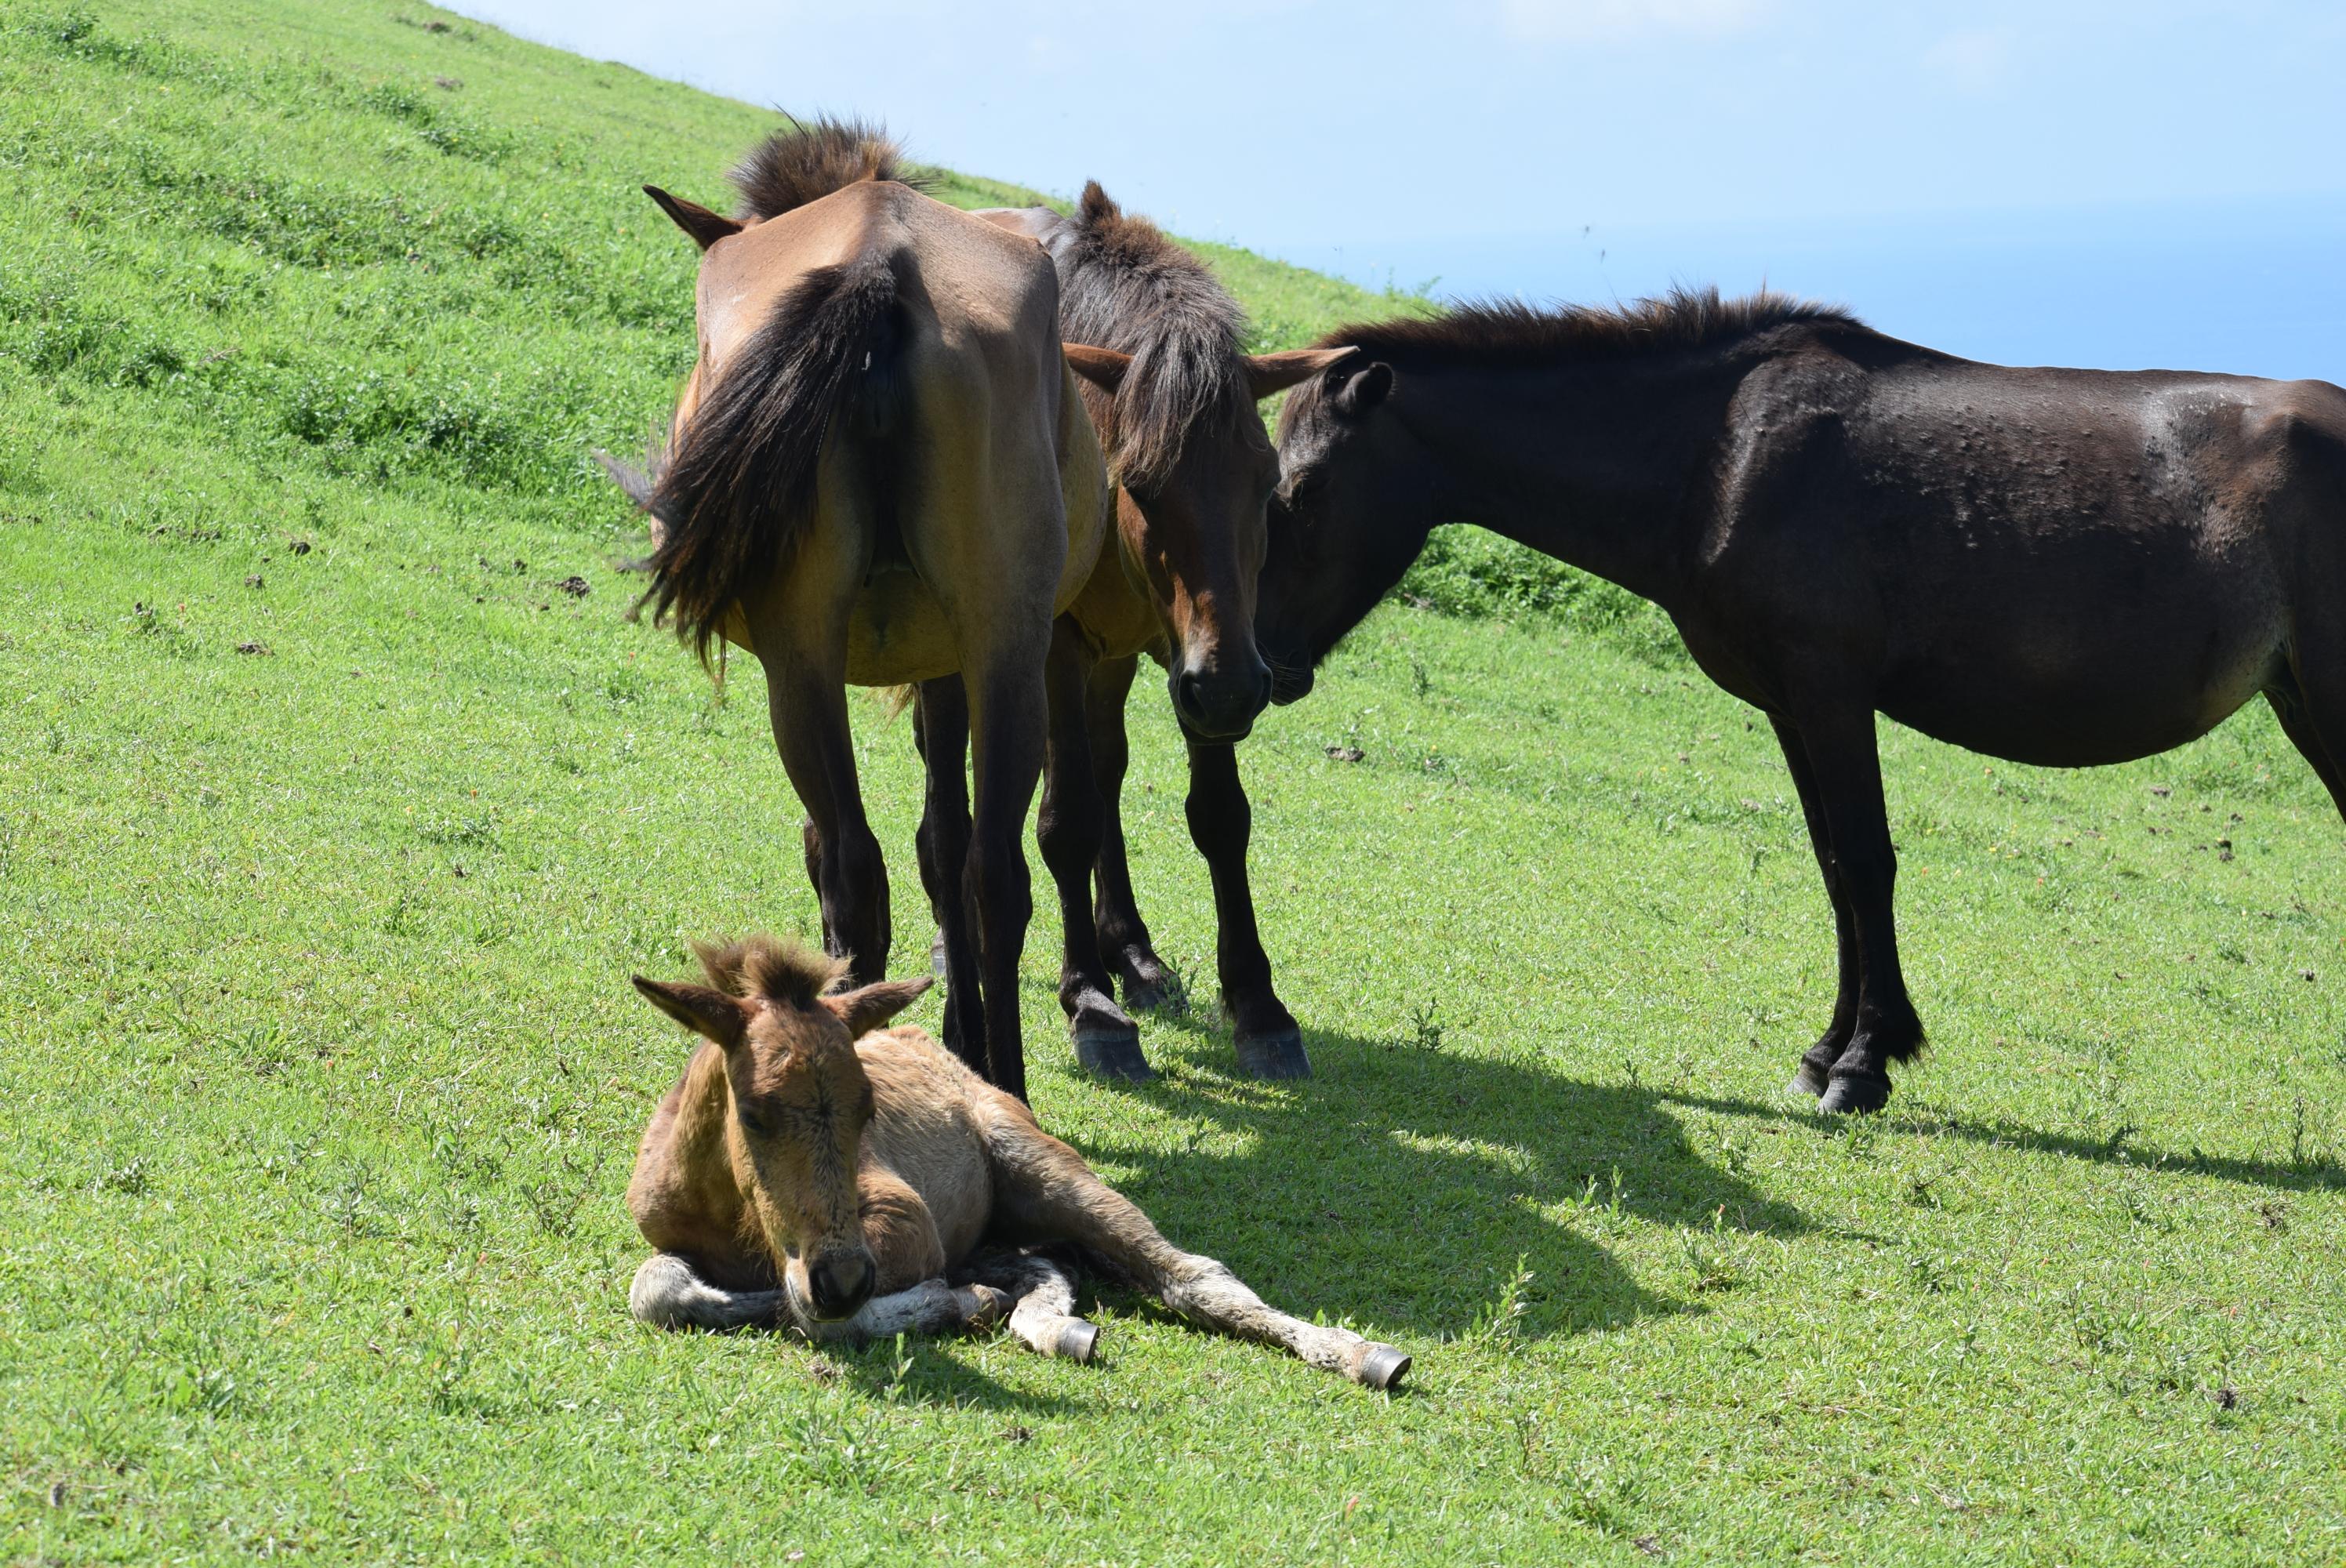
(756, 1126)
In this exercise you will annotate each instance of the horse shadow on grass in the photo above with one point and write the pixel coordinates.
(2316, 1174)
(1408, 1188)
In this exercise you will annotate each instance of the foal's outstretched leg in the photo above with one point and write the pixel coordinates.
(668, 1294)
(1816, 1066)
(1046, 1190)
(1847, 775)
(1221, 820)
(1125, 943)
(1068, 827)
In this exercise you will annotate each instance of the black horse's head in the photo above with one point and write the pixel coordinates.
(1343, 528)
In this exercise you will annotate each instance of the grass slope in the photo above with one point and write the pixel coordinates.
(330, 823)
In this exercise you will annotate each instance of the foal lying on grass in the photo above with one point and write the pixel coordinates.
(814, 1169)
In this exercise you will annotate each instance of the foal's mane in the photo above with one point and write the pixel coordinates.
(1508, 335)
(763, 967)
(806, 162)
(1124, 285)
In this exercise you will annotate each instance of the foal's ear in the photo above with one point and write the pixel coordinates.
(1362, 390)
(1268, 373)
(1104, 368)
(706, 227)
(868, 1009)
(712, 1014)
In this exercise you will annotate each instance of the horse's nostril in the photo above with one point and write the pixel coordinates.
(840, 1285)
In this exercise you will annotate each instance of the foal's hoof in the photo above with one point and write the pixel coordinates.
(1076, 1342)
(1113, 1053)
(1382, 1366)
(1279, 1055)
(1855, 1093)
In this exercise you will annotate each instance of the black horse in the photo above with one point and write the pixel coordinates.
(2058, 567)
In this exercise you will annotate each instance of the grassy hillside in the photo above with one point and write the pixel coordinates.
(338, 799)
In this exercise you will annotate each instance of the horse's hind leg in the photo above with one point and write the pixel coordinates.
(668, 1294)
(1069, 828)
(941, 730)
(1049, 1192)
(1124, 943)
(1813, 1075)
(2323, 743)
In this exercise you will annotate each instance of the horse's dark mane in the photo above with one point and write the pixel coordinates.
(1511, 334)
(1124, 285)
(762, 967)
(807, 161)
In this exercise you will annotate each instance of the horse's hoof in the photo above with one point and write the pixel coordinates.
(1144, 996)
(1382, 1367)
(1076, 1342)
(1112, 1054)
(1809, 1081)
(1280, 1055)
(1855, 1093)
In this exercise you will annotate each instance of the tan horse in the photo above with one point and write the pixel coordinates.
(814, 1169)
(880, 472)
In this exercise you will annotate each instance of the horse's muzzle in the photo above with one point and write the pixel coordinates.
(839, 1284)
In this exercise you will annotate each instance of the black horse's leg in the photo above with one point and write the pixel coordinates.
(2288, 705)
(940, 731)
(1269, 1045)
(1817, 1062)
(1069, 828)
(1846, 774)
(1124, 943)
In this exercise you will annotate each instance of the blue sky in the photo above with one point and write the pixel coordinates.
(2145, 183)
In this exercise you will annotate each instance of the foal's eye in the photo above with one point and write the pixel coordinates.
(756, 1126)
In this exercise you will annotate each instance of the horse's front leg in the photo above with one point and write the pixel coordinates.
(1838, 739)
(1125, 943)
(1269, 1045)
(1069, 828)
(1814, 1075)
(670, 1293)
(908, 1262)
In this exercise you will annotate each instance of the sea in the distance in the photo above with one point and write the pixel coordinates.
(2257, 287)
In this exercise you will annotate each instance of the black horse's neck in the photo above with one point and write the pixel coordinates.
(1591, 463)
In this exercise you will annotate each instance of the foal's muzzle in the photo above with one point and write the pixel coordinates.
(839, 1283)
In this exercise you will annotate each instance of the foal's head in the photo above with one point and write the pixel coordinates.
(797, 1099)
(1159, 345)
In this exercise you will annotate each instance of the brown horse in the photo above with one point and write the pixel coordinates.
(879, 472)
(1171, 390)
(814, 1168)
(2058, 566)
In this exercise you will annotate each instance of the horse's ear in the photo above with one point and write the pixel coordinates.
(870, 1008)
(712, 1014)
(1363, 390)
(706, 227)
(1104, 368)
(1268, 373)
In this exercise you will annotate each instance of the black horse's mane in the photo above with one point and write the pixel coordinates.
(1504, 334)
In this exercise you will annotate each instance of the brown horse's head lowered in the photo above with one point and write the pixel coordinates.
(799, 1101)
(1158, 344)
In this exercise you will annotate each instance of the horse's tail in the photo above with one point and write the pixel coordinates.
(737, 484)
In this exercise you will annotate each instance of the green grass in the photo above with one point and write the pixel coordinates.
(322, 1076)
